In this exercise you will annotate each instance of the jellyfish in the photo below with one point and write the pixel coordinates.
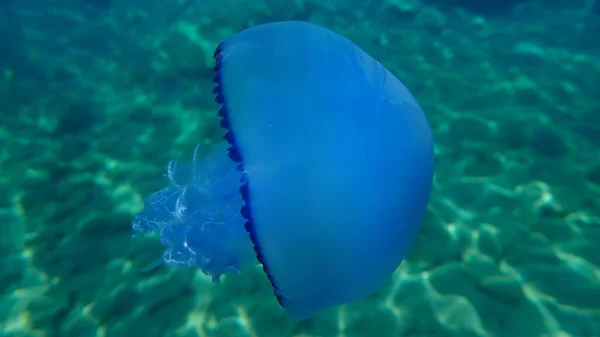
(322, 176)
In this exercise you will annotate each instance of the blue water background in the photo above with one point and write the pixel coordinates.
(97, 96)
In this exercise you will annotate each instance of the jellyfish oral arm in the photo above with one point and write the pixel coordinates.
(197, 216)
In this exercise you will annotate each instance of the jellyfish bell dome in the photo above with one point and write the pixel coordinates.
(323, 175)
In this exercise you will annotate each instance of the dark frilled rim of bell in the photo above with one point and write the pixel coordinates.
(235, 155)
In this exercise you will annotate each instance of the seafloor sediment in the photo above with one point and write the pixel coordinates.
(96, 98)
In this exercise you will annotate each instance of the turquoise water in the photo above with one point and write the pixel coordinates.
(97, 96)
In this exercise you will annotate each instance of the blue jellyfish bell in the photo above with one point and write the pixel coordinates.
(323, 174)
